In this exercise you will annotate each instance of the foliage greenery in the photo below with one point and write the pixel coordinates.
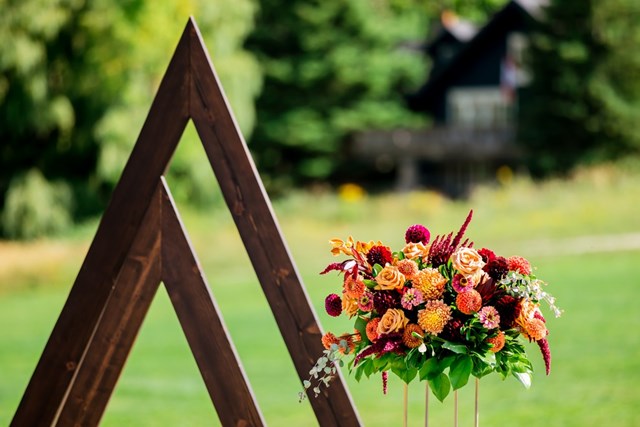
(584, 64)
(77, 77)
(76, 80)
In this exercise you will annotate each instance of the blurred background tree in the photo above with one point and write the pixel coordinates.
(585, 94)
(331, 68)
(77, 77)
(76, 80)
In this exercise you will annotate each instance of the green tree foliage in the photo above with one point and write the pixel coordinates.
(52, 87)
(473, 10)
(585, 94)
(76, 82)
(331, 68)
(152, 36)
(616, 83)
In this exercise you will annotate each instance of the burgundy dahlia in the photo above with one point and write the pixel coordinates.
(487, 254)
(509, 309)
(451, 330)
(384, 300)
(417, 234)
(379, 255)
(488, 290)
(497, 267)
(333, 305)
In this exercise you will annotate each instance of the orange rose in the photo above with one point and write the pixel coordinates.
(415, 251)
(469, 263)
(393, 320)
(390, 278)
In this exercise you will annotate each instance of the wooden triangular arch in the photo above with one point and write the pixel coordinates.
(140, 242)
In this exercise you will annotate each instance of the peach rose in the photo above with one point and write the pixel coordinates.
(415, 251)
(393, 320)
(469, 263)
(390, 278)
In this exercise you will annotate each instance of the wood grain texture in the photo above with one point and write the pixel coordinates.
(131, 252)
(252, 212)
(80, 315)
(202, 324)
(125, 310)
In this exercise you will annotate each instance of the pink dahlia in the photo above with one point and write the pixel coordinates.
(411, 297)
(461, 283)
(519, 264)
(379, 255)
(489, 317)
(333, 305)
(417, 234)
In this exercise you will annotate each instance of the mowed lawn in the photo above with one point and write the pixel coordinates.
(595, 344)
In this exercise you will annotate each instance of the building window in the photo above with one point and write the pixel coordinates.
(478, 107)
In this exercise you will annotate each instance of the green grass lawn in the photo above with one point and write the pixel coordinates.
(595, 344)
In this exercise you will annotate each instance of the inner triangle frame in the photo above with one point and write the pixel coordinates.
(140, 242)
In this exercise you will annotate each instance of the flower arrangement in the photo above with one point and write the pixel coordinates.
(438, 310)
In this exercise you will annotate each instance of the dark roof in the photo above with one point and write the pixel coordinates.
(441, 77)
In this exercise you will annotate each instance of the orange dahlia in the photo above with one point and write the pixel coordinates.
(469, 301)
(407, 267)
(531, 326)
(349, 305)
(353, 287)
(351, 344)
(328, 339)
(430, 282)
(434, 316)
(497, 341)
(409, 339)
(519, 264)
(372, 329)
(534, 329)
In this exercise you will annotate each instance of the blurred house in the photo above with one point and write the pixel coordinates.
(472, 96)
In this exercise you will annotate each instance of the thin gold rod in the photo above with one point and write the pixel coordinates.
(426, 406)
(455, 408)
(477, 412)
(406, 405)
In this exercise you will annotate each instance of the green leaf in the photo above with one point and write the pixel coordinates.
(456, 348)
(524, 378)
(440, 386)
(459, 371)
(359, 371)
(430, 369)
(370, 283)
(368, 368)
(361, 326)
(377, 268)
